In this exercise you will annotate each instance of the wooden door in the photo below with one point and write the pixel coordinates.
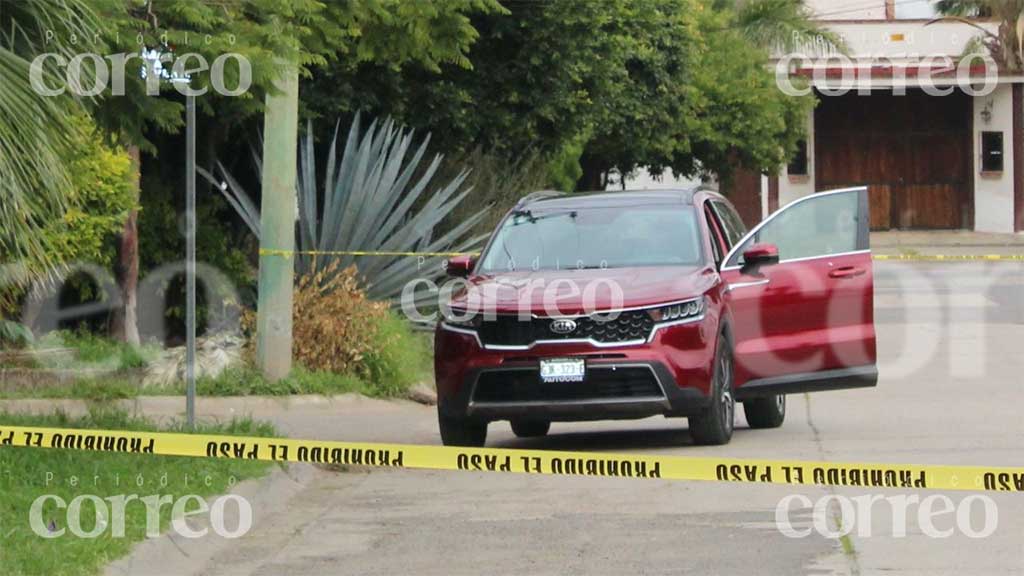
(913, 152)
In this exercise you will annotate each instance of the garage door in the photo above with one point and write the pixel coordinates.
(913, 152)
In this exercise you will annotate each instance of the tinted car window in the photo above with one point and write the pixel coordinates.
(821, 226)
(733, 225)
(615, 237)
(716, 246)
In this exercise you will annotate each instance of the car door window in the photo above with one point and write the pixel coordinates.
(717, 248)
(732, 225)
(820, 225)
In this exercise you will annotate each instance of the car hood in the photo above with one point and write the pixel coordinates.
(582, 291)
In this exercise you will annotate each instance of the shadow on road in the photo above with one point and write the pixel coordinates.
(604, 441)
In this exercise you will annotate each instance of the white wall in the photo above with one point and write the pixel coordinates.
(848, 9)
(870, 9)
(644, 180)
(902, 42)
(993, 193)
(792, 188)
(908, 40)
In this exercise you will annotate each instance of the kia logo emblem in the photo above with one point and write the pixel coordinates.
(563, 326)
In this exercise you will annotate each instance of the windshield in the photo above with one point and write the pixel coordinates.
(587, 238)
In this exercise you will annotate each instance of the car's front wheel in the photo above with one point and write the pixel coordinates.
(530, 428)
(764, 413)
(462, 432)
(714, 425)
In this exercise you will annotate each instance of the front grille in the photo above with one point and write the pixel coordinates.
(518, 386)
(510, 330)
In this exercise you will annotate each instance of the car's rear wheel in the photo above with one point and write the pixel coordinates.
(462, 432)
(767, 412)
(530, 428)
(714, 425)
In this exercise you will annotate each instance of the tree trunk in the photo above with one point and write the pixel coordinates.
(124, 323)
(594, 176)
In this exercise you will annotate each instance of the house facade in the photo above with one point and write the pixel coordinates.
(938, 139)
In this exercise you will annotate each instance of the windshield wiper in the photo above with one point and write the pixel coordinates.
(531, 219)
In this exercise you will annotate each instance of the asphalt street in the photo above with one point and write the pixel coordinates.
(951, 346)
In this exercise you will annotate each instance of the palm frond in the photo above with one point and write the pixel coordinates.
(34, 128)
(964, 8)
(785, 26)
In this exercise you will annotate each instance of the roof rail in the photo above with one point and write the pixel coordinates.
(540, 195)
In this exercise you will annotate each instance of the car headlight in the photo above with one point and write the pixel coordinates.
(461, 318)
(677, 312)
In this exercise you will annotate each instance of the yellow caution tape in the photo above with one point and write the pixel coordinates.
(879, 257)
(950, 257)
(973, 478)
(291, 253)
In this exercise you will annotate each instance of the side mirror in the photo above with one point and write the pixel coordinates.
(759, 255)
(460, 266)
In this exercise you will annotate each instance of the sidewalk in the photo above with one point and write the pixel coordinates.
(946, 242)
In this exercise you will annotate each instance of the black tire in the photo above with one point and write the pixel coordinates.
(764, 413)
(530, 428)
(462, 432)
(714, 425)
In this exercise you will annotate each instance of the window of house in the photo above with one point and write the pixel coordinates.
(798, 164)
(991, 151)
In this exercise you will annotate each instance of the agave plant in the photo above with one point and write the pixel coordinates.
(14, 334)
(371, 203)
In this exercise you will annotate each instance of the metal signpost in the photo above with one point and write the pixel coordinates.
(190, 260)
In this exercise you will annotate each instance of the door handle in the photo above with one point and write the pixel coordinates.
(847, 272)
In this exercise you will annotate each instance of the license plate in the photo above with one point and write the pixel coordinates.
(563, 370)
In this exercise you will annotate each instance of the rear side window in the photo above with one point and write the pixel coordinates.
(732, 224)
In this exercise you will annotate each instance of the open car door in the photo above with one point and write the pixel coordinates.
(800, 295)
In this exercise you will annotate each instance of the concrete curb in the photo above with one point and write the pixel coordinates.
(210, 408)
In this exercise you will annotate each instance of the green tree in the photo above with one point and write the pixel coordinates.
(100, 198)
(310, 33)
(742, 115)
(699, 112)
(616, 84)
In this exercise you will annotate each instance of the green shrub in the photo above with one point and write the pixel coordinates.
(343, 345)
(399, 359)
(564, 169)
(247, 381)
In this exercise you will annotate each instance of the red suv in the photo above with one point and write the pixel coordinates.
(627, 305)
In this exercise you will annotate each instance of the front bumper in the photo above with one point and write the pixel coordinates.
(669, 375)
